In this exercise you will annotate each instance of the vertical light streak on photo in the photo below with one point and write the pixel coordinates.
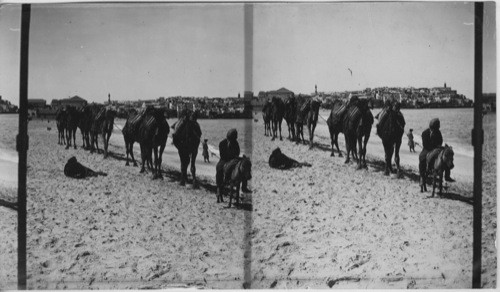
(248, 44)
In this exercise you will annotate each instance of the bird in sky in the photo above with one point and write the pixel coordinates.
(350, 70)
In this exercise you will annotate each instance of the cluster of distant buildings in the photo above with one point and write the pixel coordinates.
(207, 107)
(242, 106)
(409, 97)
(217, 107)
(7, 107)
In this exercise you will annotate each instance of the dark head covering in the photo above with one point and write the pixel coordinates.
(232, 134)
(434, 124)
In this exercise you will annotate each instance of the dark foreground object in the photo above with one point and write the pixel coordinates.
(281, 161)
(74, 169)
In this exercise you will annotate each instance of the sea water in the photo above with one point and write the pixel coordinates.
(456, 126)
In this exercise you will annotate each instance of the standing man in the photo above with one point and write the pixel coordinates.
(431, 139)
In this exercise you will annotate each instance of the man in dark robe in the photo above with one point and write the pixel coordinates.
(74, 169)
(229, 149)
(279, 160)
(431, 139)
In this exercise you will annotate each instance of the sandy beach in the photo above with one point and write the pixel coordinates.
(331, 225)
(120, 231)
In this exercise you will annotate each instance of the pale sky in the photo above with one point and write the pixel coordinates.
(144, 51)
(130, 51)
(384, 44)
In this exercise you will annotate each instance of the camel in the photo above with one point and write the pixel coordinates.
(186, 139)
(357, 110)
(154, 132)
(72, 121)
(307, 115)
(363, 134)
(277, 113)
(334, 123)
(61, 124)
(266, 116)
(131, 132)
(290, 114)
(391, 129)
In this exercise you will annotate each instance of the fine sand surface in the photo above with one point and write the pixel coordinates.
(331, 225)
(121, 231)
(324, 226)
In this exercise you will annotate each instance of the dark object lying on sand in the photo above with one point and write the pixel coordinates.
(281, 161)
(75, 169)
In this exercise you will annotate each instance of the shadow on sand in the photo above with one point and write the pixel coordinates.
(456, 197)
(207, 185)
(378, 165)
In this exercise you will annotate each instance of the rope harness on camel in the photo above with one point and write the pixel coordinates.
(116, 126)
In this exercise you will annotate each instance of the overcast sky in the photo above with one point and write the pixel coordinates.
(144, 51)
(384, 44)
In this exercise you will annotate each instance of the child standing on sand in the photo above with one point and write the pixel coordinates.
(205, 151)
(411, 143)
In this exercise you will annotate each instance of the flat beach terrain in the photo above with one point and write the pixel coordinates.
(329, 225)
(122, 231)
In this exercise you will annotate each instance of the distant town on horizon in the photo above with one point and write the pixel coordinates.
(242, 106)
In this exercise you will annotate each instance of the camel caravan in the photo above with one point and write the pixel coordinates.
(354, 119)
(149, 128)
(93, 120)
